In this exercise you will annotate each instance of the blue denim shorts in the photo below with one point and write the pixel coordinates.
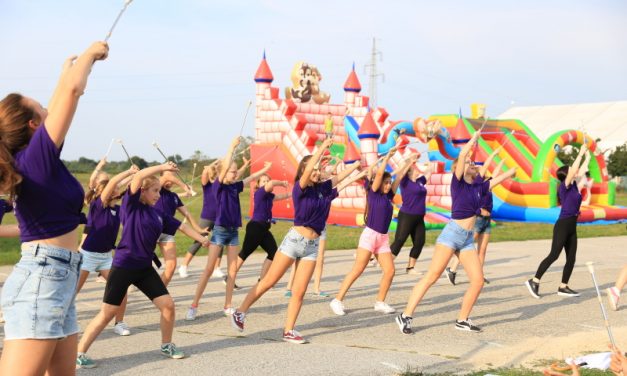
(482, 225)
(457, 238)
(225, 236)
(296, 246)
(96, 261)
(38, 296)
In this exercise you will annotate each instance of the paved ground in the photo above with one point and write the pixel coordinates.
(518, 329)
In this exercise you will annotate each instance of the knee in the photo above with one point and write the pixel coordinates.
(389, 272)
(430, 279)
(168, 307)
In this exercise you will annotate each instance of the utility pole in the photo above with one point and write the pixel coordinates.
(373, 73)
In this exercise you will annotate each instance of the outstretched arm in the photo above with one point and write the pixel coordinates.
(226, 162)
(497, 169)
(499, 179)
(351, 179)
(408, 163)
(139, 177)
(313, 162)
(345, 173)
(256, 175)
(242, 169)
(378, 178)
(486, 165)
(193, 234)
(108, 190)
(94, 174)
(572, 171)
(189, 218)
(461, 159)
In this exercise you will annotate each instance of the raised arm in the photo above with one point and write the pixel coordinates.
(378, 177)
(345, 173)
(71, 86)
(242, 169)
(269, 186)
(139, 177)
(228, 159)
(497, 169)
(178, 182)
(408, 163)
(461, 159)
(97, 170)
(256, 175)
(584, 166)
(108, 190)
(486, 165)
(572, 171)
(499, 179)
(313, 162)
(351, 179)
(209, 172)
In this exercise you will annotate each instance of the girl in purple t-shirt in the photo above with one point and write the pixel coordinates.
(300, 243)
(374, 240)
(411, 216)
(227, 187)
(456, 238)
(132, 263)
(103, 225)
(41, 329)
(564, 231)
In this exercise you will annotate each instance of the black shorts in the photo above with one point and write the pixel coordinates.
(146, 280)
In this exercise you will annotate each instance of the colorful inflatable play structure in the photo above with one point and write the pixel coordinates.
(288, 129)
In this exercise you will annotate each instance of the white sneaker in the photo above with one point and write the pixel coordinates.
(337, 307)
(191, 314)
(229, 311)
(383, 307)
(183, 271)
(122, 329)
(218, 273)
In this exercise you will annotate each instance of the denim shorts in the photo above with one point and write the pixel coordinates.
(96, 261)
(296, 246)
(225, 236)
(457, 238)
(482, 224)
(38, 296)
(166, 238)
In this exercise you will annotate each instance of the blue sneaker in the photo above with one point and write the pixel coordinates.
(83, 361)
(170, 350)
(288, 294)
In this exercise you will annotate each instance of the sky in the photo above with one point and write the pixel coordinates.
(181, 72)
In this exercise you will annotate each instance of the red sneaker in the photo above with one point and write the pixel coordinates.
(294, 337)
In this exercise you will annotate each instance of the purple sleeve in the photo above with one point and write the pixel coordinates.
(240, 186)
(391, 194)
(170, 225)
(131, 200)
(334, 193)
(327, 187)
(422, 180)
(179, 203)
(41, 156)
(404, 181)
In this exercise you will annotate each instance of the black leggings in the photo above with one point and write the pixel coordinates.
(409, 225)
(564, 236)
(258, 235)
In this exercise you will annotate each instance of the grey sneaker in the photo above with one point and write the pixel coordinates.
(404, 323)
(83, 361)
(450, 275)
(170, 350)
(191, 314)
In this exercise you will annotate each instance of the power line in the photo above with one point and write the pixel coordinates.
(374, 74)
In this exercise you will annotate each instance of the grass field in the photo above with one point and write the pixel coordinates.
(341, 237)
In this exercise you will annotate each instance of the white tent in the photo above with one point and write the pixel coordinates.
(607, 121)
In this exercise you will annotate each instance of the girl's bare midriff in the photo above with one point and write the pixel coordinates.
(307, 232)
(67, 241)
(467, 224)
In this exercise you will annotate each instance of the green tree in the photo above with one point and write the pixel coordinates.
(617, 161)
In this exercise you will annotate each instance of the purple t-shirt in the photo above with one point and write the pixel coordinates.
(467, 197)
(104, 224)
(5, 207)
(570, 198)
(50, 199)
(414, 195)
(379, 211)
(209, 204)
(486, 193)
(143, 225)
(263, 201)
(229, 210)
(309, 204)
(168, 202)
(328, 199)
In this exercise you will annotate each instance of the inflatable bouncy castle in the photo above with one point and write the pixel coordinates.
(288, 129)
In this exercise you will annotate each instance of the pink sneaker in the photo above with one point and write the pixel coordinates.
(613, 297)
(237, 320)
(294, 337)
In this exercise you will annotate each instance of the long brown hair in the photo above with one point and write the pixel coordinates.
(301, 168)
(14, 136)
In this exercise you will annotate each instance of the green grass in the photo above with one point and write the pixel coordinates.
(341, 237)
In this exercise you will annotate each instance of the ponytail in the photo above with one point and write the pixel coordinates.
(94, 193)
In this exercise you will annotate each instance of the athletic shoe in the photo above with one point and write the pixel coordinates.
(83, 361)
(486, 281)
(229, 311)
(288, 294)
(191, 314)
(467, 325)
(534, 288)
(613, 297)
(567, 291)
(450, 275)
(294, 337)
(321, 294)
(217, 273)
(412, 271)
(100, 279)
(236, 287)
(404, 323)
(183, 271)
(372, 262)
(237, 320)
(337, 307)
(170, 350)
(383, 307)
(122, 329)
